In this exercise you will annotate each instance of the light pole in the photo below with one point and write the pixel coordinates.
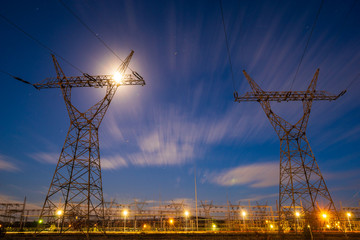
(297, 214)
(59, 213)
(348, 217)
(171, 222)
(271, 227)
(186, 216)
(324, 216)
(243, 213)
(213, 227)
(125, 213)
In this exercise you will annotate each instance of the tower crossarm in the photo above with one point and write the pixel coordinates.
(301, 185)
(90, 81)
(281, 96)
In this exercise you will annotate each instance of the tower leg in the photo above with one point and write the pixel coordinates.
(303, 193)
(75, 197)
(302, 187)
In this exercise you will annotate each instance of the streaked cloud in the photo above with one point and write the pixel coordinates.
(258, 197)
(176, 137)
(6, 165)
(11, 199)
(255, 175)
(156, 149)
(44, 157)
(110, 162)
(113, 162)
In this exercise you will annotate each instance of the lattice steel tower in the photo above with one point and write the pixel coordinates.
(75, 197)
(302, 187)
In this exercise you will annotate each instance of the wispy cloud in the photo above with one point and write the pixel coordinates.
(255, 175)
(160, 149)
(259, 197)
(176, 137)
(6, 165)
(113, 162)
(11, 199)
(44, 157)
(109, 162)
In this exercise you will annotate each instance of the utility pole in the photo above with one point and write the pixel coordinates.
(77, 178)
(301, 182)
(196, 202)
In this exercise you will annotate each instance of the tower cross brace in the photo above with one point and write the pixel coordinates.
(75, 196)
(301, 184)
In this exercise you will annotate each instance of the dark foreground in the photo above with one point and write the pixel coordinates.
(180, 236)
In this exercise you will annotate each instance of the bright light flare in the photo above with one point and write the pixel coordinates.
(59, 212)
(171, 221)
(125, 213)
(118, 77)
(243, 213)
(297, 214)
(348, 214)
(187, 213)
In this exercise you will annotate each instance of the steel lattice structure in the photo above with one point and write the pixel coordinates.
(302, 185)
(76, 187)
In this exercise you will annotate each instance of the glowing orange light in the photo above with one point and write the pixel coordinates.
(59, 212)
(187, 213)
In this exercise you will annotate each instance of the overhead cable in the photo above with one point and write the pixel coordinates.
(19, 79)
(91, 31)
(39, 42)
(227, 46)
(353, 81)
(307, 43)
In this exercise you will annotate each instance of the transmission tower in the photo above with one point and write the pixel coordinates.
(302, 186)
(75, 197)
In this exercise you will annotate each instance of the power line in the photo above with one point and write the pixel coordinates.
(227, 45)
(7, 73)
(18, 78)
(91, 31)
(352, 82)
(39, 42)
(307, 43)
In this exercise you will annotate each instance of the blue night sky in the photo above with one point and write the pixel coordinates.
(153, 136)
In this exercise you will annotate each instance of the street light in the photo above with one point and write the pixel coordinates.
(171, 223)
(297, 214)
(125, 213)
(243, 213)
(324, 216)
(186, 216)
(59, 213)
(213, 226)
(348, 217)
